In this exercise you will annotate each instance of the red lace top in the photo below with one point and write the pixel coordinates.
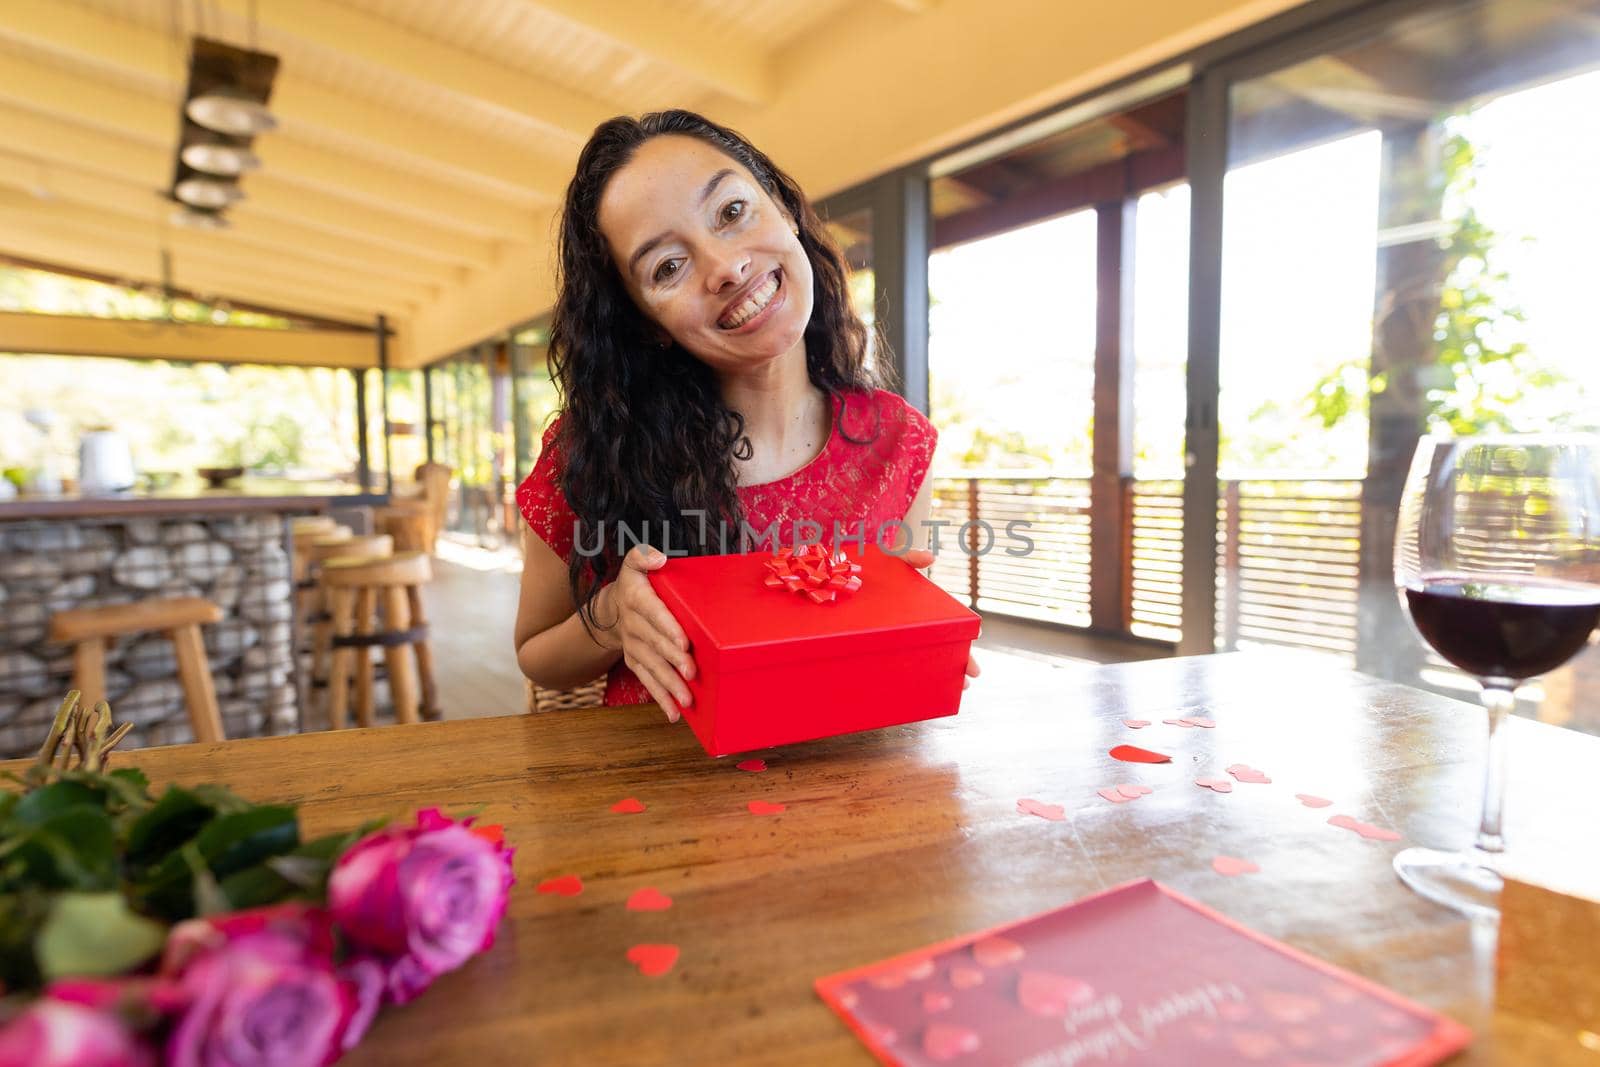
(863, 488)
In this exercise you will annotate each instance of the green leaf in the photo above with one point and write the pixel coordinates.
(94, 934)
(208, 897)
(303, 872)
(171, 821)
(226, 845)
(39, 805)
(132, 775)
(21, 915)
(73, 849)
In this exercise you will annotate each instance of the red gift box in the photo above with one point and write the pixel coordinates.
(775, 665)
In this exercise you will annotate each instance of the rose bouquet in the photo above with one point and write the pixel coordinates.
(197, 929)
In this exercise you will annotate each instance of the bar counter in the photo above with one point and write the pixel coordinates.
(229, 545)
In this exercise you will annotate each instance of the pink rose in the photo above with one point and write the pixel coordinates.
(425, 899)
(262, 990)
(57, 1033)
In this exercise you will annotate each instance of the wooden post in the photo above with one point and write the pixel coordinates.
(1110, 532)
(1231, 556)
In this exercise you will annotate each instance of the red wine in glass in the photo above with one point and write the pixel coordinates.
(1514, 629)
(1497, 558)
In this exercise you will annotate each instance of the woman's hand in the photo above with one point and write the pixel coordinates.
(922, 559)
(652, 643)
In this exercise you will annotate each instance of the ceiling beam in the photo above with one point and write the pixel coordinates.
(566, 114)
(208, 248)
(74, 335)
(141, 263)
(141, 272)
(154, 121)
(506, 168)
(660, 32)
(263, 237)
(120, 158)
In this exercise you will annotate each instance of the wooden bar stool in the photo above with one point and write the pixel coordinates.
(316, 609)
(301, 542)
(311, 525)
(180, 618)
(378, 603)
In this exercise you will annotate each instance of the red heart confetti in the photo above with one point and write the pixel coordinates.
(1052, 995)
(1053, 812)
(1134, 754)
(996, 951)
(1312, 801)
(942, 1042)
(1216, 785)
(1232, 865)
(762, 807)
(1134, 792)
(493, 833)
(965, 977)
(629, 806)
(934, 1001)
(1365, 829)
(813, 573)
(1136, 724)
(754, 766)
(653, 961)
(1246, 773)
(568, 885)
(649, 899)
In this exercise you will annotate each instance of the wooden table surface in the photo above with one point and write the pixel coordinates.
(907, 836)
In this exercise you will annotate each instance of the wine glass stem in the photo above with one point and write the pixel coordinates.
(1499, 700)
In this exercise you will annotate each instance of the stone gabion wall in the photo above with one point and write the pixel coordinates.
(240, 563)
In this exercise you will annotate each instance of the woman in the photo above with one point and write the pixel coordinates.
(713, 381)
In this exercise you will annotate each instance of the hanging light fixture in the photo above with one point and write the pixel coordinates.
(199, 219)
(231, 110)
(215, 153)
(225, 106)
(209, 193)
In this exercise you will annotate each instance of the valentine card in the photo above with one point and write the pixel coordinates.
(1136, 975)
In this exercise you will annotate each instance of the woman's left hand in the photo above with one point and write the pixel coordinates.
(922, 559)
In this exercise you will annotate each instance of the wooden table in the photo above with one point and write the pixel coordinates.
(907, 836)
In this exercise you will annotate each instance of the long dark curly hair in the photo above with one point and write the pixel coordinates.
(644, 433)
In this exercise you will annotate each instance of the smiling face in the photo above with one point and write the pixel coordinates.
(706, 254)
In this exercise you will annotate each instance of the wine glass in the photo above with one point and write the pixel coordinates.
(1497, 558)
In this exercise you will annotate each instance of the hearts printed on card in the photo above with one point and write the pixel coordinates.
(965, 977)
(1233, 865)
(919, 970)
(628, 806)
(933, 1001)
(649, 899)
(567, 885)
(1051, 995)
(883, 1035)
(849, 999)
(762, 807)
(1254, 1045)
(943, 1042)
(996, 951)
(1053, 812)
(653, 961)
(1290, 1008)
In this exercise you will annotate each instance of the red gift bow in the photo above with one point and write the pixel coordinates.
(814, 572)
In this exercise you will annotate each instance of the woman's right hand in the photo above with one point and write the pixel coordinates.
(653, 644)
